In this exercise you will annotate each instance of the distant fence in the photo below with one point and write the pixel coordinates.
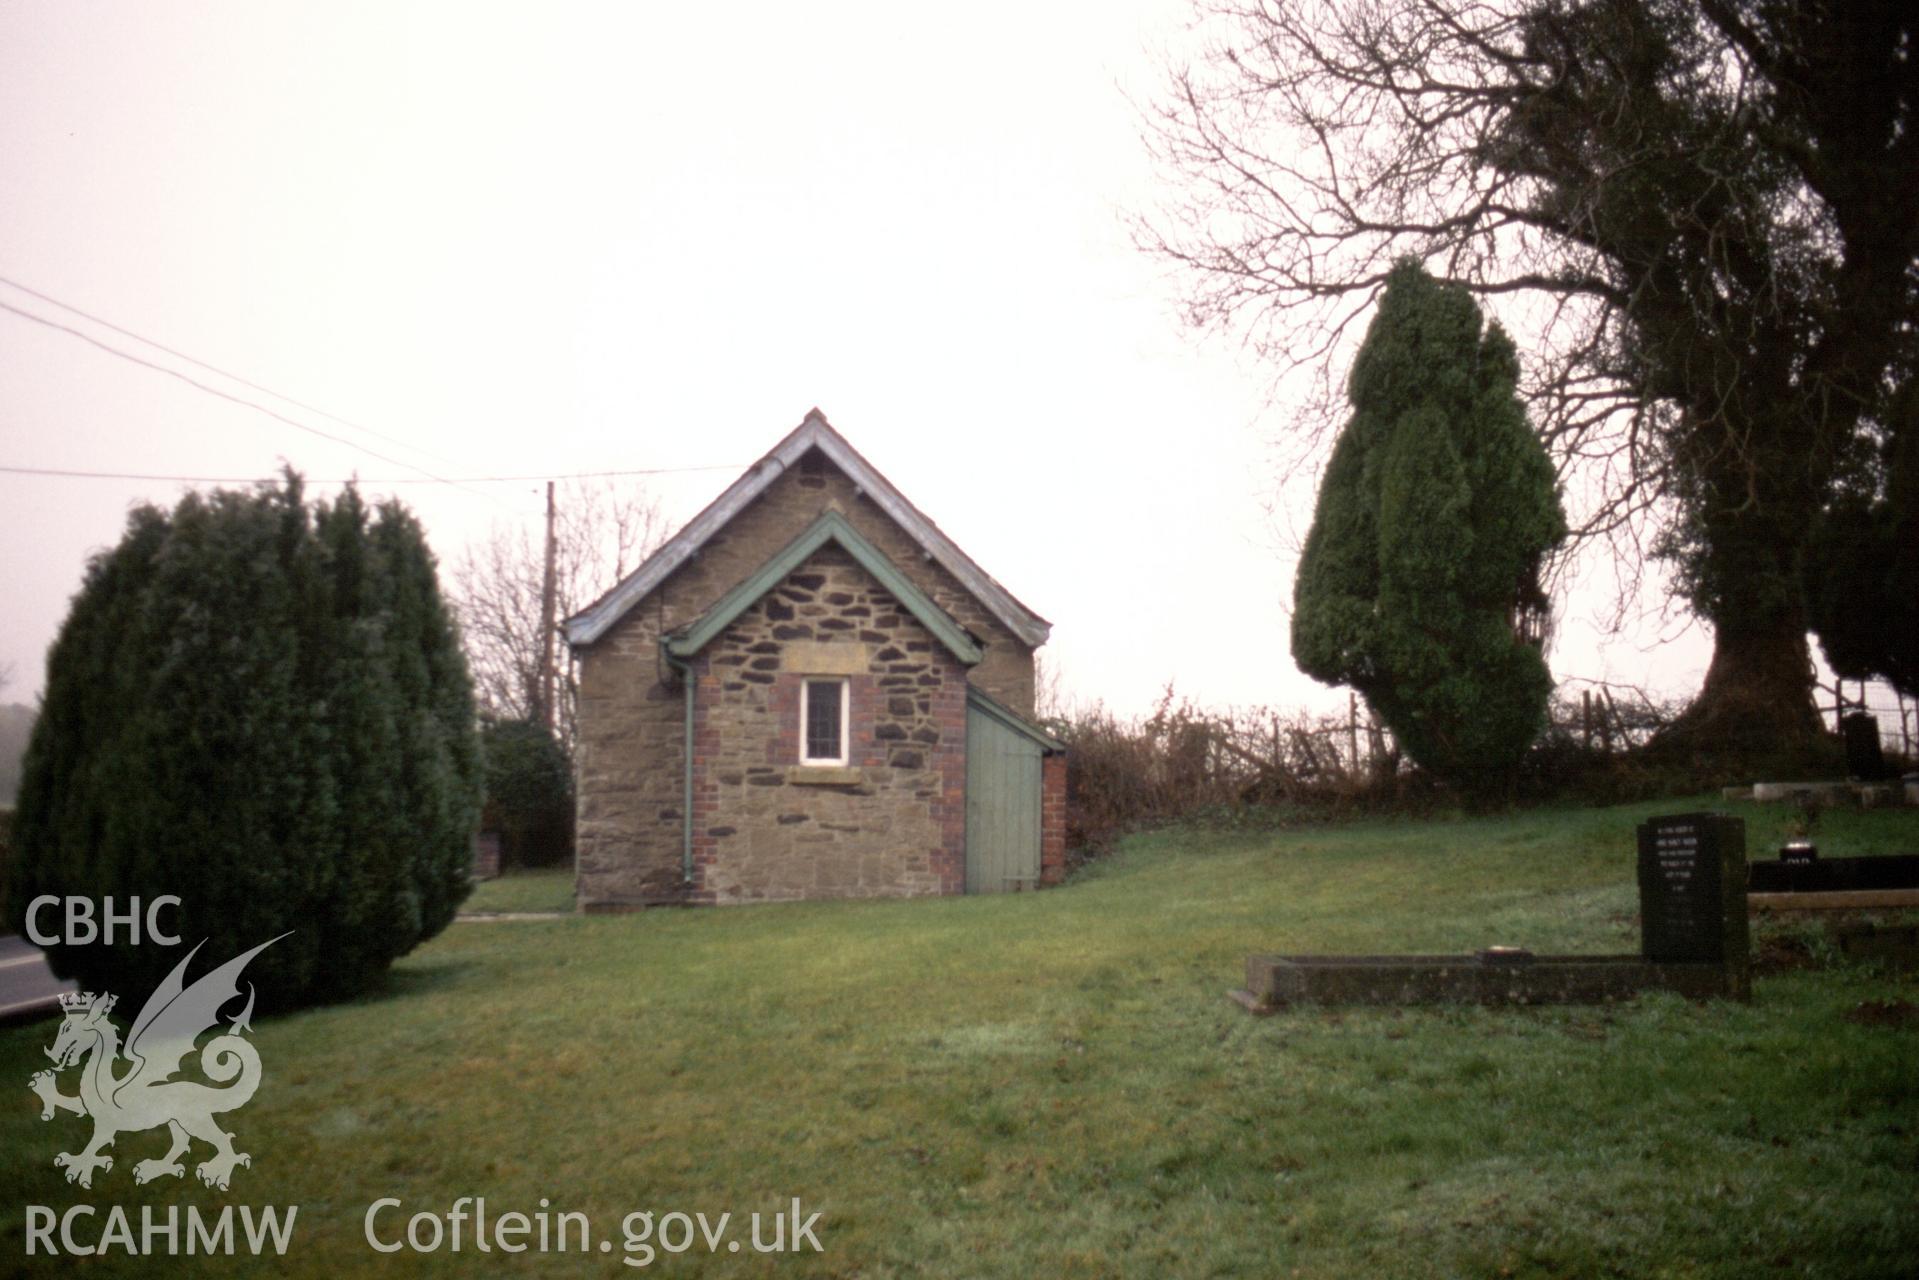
(1283, 754)
(1602, 716)
(1184, 755)
(1182, 758)
(1898, 715)
(1593, 715)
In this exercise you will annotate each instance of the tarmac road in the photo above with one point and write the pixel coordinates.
(27, 987)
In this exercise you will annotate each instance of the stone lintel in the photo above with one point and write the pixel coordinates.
(825, 658)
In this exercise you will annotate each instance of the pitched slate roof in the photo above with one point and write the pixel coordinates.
(977, 697)
(813, 433)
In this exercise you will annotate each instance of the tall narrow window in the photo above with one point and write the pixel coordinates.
(823, 713)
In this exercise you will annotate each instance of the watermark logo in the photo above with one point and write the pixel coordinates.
(130, 1088)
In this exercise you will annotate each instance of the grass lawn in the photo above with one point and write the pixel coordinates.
(1053, 1084)
(542, 889)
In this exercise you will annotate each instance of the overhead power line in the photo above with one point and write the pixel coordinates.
(177, 354)
(66, 473)
(425, 475)
(227, 395)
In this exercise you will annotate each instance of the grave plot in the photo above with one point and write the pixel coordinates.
(1801, 883)
(1860, 899)
(1693, 941)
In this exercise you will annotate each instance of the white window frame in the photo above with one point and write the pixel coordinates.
(846, 720)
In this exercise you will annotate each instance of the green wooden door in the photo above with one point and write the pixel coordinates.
(1002, 805)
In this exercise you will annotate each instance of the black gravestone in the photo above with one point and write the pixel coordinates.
(1692, 892)
(1865, 758)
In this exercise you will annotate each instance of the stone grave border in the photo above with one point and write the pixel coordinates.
(1693, 941)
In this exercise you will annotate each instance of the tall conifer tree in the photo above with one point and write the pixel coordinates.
(1419, 585)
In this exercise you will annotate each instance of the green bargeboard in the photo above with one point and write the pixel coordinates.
(1002, 805)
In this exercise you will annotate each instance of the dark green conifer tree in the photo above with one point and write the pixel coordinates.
(261, 708)
(1862, 570)
(1419, 585)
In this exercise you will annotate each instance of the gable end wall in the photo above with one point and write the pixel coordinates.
(766, 829)
(630, 749)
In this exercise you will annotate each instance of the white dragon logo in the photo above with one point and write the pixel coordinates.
(145, 1096)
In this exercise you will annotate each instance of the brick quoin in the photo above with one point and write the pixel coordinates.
(949, 709)
(1052, 821)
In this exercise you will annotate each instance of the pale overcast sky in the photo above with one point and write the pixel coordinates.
(546, 239)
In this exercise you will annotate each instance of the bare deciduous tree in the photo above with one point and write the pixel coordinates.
(1686, 207)
(1050, 698)
(601, 532)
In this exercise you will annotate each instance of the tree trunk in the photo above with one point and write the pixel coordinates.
(1756, 709)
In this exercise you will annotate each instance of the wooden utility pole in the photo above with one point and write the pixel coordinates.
(549, 596)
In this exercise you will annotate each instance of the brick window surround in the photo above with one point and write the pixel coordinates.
(824, 720)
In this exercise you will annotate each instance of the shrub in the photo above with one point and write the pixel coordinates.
(1111, 768)
(529, 793)
(1182, 761)
(261, 707)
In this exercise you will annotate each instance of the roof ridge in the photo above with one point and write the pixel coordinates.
(590, 623)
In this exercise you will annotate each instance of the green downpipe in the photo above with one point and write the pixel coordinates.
(686, 795)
